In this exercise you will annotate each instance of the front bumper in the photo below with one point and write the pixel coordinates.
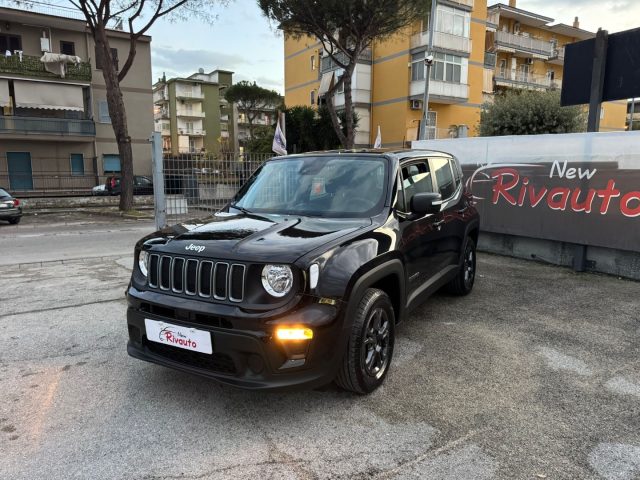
(245, 352)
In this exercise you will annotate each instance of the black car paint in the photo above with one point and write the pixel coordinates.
(353, 255)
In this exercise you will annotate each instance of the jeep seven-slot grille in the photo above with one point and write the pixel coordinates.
(197, 278)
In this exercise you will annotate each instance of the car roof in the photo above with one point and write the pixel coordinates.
(400, 154)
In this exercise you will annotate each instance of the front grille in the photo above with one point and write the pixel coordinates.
(216, 362)
(194, 277)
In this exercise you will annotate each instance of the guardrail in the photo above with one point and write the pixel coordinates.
(47, 126)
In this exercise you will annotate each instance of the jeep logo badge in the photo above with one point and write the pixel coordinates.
(195, 248)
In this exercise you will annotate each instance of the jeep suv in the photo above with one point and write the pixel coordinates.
(302, 278)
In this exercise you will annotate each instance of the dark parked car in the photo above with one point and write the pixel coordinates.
(10, 208)
(141, 185)
(302, 278)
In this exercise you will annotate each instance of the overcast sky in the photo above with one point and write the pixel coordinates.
(242, 40)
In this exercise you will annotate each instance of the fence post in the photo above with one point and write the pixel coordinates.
(160, 201)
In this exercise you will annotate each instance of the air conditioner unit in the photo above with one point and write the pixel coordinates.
(416, 104)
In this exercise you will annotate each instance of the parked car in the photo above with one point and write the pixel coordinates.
(99, 190)
(10, 208)
(141, 185)
(302, 278)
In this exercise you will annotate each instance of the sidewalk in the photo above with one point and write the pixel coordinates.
(92, 205)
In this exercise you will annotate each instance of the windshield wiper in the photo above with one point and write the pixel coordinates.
(242, 209)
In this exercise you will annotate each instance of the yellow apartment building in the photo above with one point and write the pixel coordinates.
(525, 50)
(472, 62)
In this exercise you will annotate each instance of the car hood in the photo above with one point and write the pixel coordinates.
(250, 237)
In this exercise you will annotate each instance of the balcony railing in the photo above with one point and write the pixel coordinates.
(47, 126)
(450, 92)
(519, 79)
(31, 66)
(162, 115)
(186, 113)
(190, 95)
(192, 132)
(327, 64)
(558, 55)
(466, 3)
(524, 43)
(447, 41)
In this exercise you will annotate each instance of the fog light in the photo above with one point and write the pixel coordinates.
(287, 333)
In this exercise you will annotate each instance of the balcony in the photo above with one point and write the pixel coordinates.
(530, 81)
(466, 3)
(493, 20)
(46, 126)
(188, 114)
(31, 66)
(190, 96)
(442, 92)
(161, 115)
(224, 118)
(159, 98)
(327, 64)
(192, 132)
(558, 56)
(442, 40)
(509, 42)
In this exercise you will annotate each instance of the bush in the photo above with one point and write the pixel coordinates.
(529, 112)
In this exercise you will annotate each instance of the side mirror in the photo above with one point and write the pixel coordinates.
(424, 203)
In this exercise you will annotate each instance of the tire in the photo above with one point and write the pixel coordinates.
(15, 221)
(463, 283)
(370, 347)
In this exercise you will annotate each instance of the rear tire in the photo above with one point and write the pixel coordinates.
(15, 221)
(370, 347)
(463, 283)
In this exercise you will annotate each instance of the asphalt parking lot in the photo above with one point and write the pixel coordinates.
(536, 374)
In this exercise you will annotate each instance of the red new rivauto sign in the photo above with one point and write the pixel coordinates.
(577, 188)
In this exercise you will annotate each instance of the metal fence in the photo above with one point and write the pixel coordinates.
(198, 185)
(51, 184)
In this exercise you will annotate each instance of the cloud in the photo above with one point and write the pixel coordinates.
(184, 61)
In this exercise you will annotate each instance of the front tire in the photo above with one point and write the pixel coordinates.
(463, 283)
(370, 347)
(14, 221)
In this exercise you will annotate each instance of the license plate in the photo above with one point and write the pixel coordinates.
(181, 337)
(4, 205)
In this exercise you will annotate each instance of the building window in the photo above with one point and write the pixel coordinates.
(103, 112)
(453, 21)
(77, 164)
(339, 75)
(417, 67)
(111, 163)
(114, 59)
(10, 43)
(312, 97)
(313, 62)
(67, 48)
(446, 68)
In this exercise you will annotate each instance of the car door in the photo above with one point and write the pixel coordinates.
(419, 234)
(450, 219)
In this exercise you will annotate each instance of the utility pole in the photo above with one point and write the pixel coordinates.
(428, 61)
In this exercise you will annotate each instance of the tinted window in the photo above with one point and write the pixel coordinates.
(444, 177)
(4, 193)
(318, 186)
(416, 178)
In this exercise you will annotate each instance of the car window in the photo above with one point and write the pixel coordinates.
(457, 172)
(4, 193)
(416, 178)
(444, 177)
(144, 181)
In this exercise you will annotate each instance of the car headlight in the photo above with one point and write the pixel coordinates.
(143, 262)
(277, 280)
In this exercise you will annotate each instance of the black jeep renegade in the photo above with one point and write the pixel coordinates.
(302, 278)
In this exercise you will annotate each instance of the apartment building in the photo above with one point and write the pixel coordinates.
(525, 50)
(633, 115)
(192, 113)
(265, 117)
(55, 130)
(476, 55)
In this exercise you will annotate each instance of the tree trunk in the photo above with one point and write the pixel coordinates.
(118, 115)
(348, 106)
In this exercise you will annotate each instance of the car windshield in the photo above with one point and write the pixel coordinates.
(4, 194)
(324, 186)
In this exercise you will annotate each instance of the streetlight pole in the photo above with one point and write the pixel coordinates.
(428, 61)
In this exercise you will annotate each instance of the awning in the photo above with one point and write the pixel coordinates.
(52, 96)
(325, 83)
(5, 101)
